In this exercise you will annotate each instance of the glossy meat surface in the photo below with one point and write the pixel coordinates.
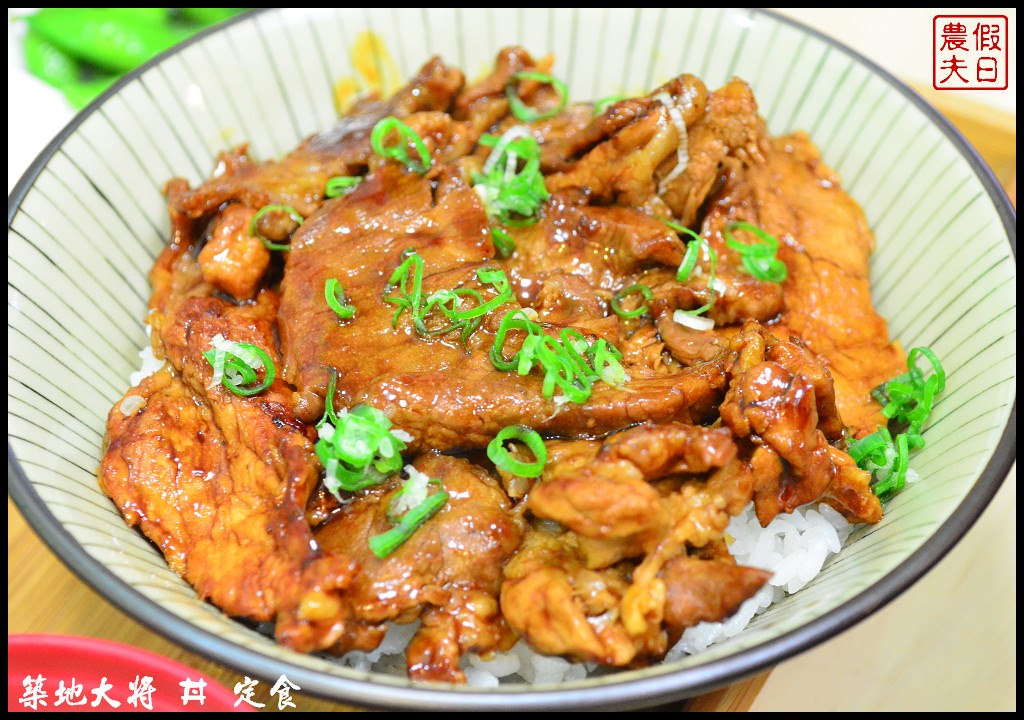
(826, 244)
(620, 542)
(448, 396)
(450, 570)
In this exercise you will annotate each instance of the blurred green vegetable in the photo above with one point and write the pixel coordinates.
(80, 94)
(81, 51)
(209, 16)
(117, 41)
(48, 62)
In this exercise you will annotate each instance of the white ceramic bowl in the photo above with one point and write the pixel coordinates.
(88, 218)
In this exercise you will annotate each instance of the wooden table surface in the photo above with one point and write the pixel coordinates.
(910, 656)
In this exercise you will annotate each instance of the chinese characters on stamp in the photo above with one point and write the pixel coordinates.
(970, 52)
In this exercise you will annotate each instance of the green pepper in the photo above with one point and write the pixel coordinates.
(48, 62)
(154, 16)
(210, 16)
(80, 94)
(113, 39)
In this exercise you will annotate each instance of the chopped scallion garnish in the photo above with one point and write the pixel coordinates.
(569, 362)
(415, 489)
(400, 150)
(524, 112)
(385, 543)
(500, 456)
(235, 365)
(908, 400)
(644, 291)
(254, 229)
(504, 245)
(335, 296)
(689, 263)
(604, 103)
(495, 278)
(329, 415)
(759, 258)
(933, 360)
(341, 185)
(357, 448)
(512, 194)
(407, 279)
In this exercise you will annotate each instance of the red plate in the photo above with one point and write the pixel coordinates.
(59, 658)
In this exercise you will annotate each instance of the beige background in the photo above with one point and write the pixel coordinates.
(941, 646)
(900, 40)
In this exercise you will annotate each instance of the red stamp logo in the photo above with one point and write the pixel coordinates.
(970, 52)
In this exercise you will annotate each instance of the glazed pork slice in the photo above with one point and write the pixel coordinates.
(220, 491)
(826, 243)
(218, 481)
(448, 573)
(603, 491)
(299, 178)
(447, 395)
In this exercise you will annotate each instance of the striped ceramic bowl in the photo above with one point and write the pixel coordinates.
(88, 218)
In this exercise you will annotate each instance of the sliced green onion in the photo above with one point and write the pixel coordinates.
(622, 294)
(388, 541)
(408, 279)
(604, 103)
(512, 195)
(413, 492)
(896, 479)
(341, 185)
(524, 112)
(568, 363)
(499, 280)
(576, 346)
(607, 364)
(689, 259)
(358, 450)
(335, 296)
(930, 356)
(400, 151)
(907, 400)
(447, 301)
(503, 460)
(758, 259)
(503, 242)
(235, 366)
(560, 371)
(871, 447)
(512, 320)
(329, 415)
(700, 323)
(254, 230)
(689, 262)
(410, 295)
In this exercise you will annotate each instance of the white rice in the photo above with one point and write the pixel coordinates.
(389, 653)
(795, 546)
(150, 362)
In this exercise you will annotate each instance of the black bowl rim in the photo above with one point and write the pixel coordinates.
(629, 693)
